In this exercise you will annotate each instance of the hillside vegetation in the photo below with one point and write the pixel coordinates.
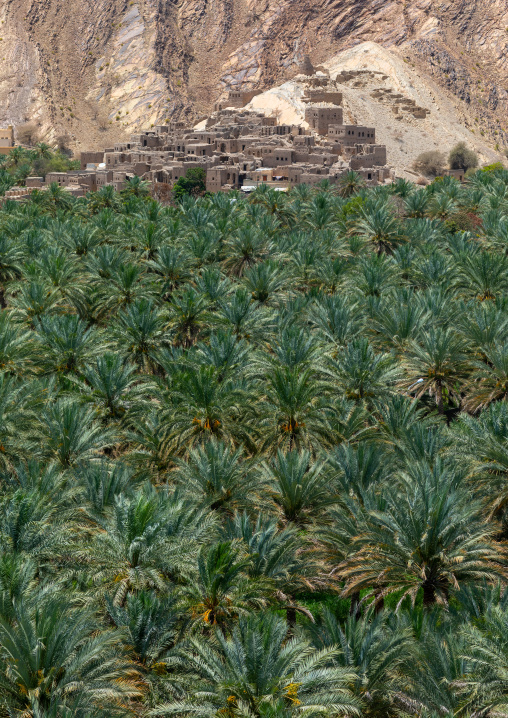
(254, 452)
(22, 162)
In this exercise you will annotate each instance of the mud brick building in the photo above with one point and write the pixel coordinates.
(6, 140)
(240, 149)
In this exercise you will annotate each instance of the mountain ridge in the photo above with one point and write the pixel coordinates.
(100, 69)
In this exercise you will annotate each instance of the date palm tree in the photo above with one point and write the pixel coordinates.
(379, 654)
(18, 404)
(293, 348)
(350, 184)
(126, 285)
(438, 358)
(256, 669)
(221, 589)
(60, 270)
(199, 406)
(149, 450)
(354, 469)
(33, 523)
(320, 211)
(66, 343)
(135, 550)
(172, 268)
(489, 379)
(338, 318)
(433, 270)
(243, 315)
(100, 483)
(16, 348)
(189, 315)
(297, 486)
(151, 625)
(147, 238)
(439, 673)
(442, 206)
(44, 151)
(136, 187)
(35, 299)
(279, 558)
(106, 197)
(83, 239)
(293, 410)
(71, 433)
(10, 265)
(213, 285)
(398, 321)
(224, 351)
(430, 536)
(245, 248)
(360, 374)
(379, 227)
(56, 198)
(483, 325)
(265, 281)
(217, 478)
(497, 232)
(417, 203)
(483, 443)
(487, 651)
(305, 264)
(113, 388)
(376, 275)
(483, 275)
(140, 331)
(52, 658)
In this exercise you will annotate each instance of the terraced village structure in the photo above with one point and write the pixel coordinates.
(238, 149)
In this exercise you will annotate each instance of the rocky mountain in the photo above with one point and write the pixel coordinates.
(410, 111)
(98, 69)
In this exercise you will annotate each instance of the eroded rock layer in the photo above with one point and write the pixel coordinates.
(97, 69)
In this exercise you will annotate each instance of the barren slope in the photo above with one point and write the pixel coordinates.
(370, 99)
(78, 65)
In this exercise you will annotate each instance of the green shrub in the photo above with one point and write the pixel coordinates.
(194, 183)
(430, 164)
(462, 158)
(495, 167)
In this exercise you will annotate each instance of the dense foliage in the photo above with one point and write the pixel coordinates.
(254, 452)
(21, 163)
(461, 157)
(194, 183)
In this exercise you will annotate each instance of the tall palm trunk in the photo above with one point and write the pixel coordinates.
(439, 396)
(429, 593)
(379, 603)
(291, 617)
(354, 609)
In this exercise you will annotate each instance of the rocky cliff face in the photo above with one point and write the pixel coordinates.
(97, 69)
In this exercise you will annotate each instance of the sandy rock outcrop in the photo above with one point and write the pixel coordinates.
(411, 113)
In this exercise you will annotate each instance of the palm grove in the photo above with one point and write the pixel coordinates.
(22, 162)
(254, 452)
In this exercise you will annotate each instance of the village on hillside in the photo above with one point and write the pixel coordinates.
(238, 149)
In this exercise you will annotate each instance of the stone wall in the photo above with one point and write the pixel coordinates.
(320, 118)
(6, 140)
(376, 157)
(349, 135)
(91, 158)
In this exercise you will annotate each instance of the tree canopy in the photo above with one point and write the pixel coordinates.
(254, 452)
